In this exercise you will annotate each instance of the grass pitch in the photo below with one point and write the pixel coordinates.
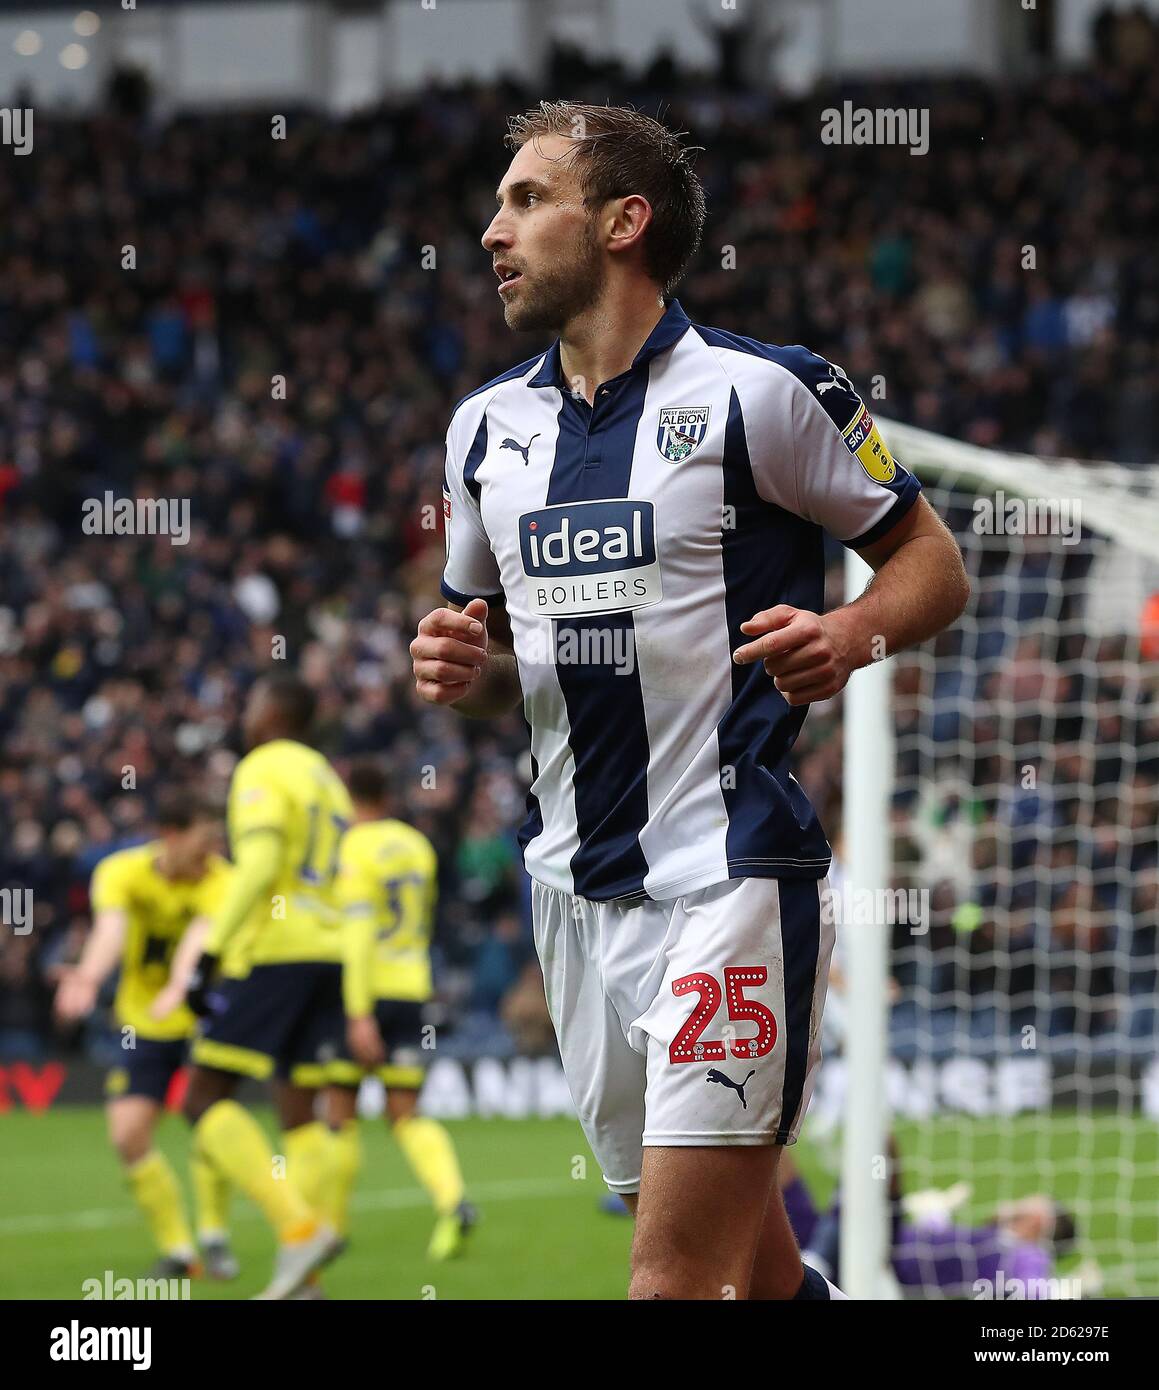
(65, 1215)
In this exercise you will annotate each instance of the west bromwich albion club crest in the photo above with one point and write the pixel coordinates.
(681, 431)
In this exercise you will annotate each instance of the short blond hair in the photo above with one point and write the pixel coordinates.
(620, 152)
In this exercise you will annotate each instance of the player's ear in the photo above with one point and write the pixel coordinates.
(626, 219)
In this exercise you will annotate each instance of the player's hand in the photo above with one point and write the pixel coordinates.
(200, 983)
(76, 996)
(808, 656)
(450, 652)
(365, 1041)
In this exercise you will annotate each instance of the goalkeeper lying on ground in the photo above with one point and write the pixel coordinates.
(1011, 1256)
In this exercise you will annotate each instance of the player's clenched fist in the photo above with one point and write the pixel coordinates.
(808, 656)
(450, 652)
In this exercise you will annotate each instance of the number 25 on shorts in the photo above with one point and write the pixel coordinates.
(687, 1046)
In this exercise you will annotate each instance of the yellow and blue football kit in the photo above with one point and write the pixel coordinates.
(288, 810)
(387, 889)
(157, 909)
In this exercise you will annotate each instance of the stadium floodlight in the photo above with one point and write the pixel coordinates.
(1010, 771)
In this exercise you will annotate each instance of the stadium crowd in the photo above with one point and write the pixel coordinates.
(276, 330)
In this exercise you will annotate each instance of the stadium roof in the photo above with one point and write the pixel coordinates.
(37, 9)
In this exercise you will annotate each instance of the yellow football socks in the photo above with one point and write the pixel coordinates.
(345, 1162)
(232, 1140)
(324, 1164)
(431, 1155)
(210, 1198)
(308, 1155)
(154, 1184)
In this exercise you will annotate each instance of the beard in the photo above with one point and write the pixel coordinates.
(572, 283)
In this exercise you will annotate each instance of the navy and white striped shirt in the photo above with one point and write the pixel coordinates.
(629, 540)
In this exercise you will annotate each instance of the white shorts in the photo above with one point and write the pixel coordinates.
(695, 1021)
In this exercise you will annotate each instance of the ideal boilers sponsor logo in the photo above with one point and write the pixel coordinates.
(590, 557)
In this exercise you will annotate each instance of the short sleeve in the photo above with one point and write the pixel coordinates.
(471, 570)
(109, 889)
(815, 449)
(256, 801)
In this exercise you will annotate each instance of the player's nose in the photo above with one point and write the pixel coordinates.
(497, 237)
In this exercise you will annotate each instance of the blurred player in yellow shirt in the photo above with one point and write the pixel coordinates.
(151, 906)
(387, 888)
(282, 1020)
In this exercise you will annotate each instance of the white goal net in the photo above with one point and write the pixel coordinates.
(1022, 797)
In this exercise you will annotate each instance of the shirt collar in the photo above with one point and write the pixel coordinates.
(667, 333)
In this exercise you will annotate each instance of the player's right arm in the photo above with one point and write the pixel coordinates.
(257, 860)
(258, 815)
(77, 992)
(464, 656)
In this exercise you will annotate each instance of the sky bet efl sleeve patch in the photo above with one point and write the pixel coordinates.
(867, 446)
(815, 449)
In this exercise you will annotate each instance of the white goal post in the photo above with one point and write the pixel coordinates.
(1009, 773)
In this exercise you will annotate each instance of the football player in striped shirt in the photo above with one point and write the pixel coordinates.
(635, 522)
(148, 902)
(387, 889)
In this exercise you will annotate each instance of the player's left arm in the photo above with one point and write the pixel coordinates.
(815, 451)
(356, 892)
(183, 968)
(357, 888)
(181, 971)
(918, 588)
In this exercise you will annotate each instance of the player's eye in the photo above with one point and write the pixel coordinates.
(528, 198)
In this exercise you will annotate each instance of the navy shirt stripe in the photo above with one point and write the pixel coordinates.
(475, 456)
(800, 946)
(769, 556)
(605, 706)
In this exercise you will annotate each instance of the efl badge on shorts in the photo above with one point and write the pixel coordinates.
(681, 431)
